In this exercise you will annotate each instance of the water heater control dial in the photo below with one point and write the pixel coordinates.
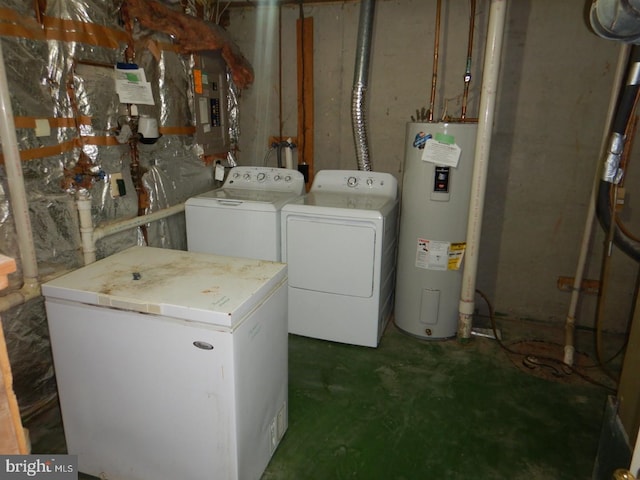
(352, 181)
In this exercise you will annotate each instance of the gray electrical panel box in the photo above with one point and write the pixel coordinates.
(210, 89)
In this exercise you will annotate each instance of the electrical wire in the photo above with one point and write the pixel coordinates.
(558, 367)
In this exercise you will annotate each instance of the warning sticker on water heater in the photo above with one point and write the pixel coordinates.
(437, 255)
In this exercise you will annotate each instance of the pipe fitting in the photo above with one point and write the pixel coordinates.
(83, 204)
(465, 323)
(30, 290)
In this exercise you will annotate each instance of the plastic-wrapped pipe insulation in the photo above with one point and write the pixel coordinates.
(612, 173)
(360, 83)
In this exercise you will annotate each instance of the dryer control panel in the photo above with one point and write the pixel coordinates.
(356, 182)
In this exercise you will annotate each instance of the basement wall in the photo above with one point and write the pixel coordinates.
(555, 85)
(61, 75)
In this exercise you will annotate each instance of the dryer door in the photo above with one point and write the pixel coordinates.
(331, 255)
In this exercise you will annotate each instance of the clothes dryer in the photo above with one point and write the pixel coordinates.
(339, 242)
(242, 218)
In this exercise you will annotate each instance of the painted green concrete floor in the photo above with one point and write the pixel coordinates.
(413, 409)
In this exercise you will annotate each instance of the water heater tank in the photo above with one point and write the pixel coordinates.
(436, 186)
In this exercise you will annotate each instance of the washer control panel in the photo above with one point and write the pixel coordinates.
(265, 178)
(355, 181)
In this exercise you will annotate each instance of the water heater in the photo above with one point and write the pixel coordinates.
(436, 186)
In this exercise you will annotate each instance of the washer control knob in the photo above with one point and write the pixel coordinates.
(370, 181)
(277, 178)
(247, 176)
(352, 181)
(236, 175)
(261, 176)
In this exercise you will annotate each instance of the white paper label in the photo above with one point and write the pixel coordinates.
(441, 153)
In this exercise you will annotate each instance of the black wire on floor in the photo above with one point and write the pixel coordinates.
(557, 367)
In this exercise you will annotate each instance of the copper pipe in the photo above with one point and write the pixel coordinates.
(467, 73)
(436, 46)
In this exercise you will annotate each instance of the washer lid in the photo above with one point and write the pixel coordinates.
(186, 285)
(246, 199)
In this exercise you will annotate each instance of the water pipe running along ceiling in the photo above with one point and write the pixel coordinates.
(618, 20)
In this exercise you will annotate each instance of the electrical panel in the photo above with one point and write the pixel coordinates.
(210, 89)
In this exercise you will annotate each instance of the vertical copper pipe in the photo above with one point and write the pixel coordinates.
(467, 73)
(436, 46)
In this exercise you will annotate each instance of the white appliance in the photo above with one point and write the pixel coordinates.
(433, 227)
(171, 364)
(339, 242)
(242, 218)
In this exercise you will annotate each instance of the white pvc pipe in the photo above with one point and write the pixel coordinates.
(90, 236)
(635, 459)
(13, 167)
(569, 348)
(83, 203)
(18, 198)
(491, 68)
(123, 225)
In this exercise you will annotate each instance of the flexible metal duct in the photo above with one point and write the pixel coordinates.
(360, 83)
(616, 19)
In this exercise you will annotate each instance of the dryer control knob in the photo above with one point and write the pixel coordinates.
(352, 181)
(277, 178)
(261, 176)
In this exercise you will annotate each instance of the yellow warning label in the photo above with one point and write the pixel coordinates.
(456, 254)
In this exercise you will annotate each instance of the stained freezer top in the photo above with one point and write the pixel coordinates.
(185, 285)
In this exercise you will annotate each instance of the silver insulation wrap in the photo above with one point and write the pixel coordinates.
(612, 172)
(68, 79)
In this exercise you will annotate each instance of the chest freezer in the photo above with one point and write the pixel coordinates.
(171, 364)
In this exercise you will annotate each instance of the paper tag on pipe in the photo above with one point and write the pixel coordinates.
(219, 172)
(43, 129)
(441, 153)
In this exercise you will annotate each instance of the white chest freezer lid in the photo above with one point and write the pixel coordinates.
(186, 285)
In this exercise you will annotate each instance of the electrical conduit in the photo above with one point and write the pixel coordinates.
(18, 198)
(493, 50)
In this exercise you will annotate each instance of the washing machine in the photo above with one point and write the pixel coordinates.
(339, 242)
(242, 218)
